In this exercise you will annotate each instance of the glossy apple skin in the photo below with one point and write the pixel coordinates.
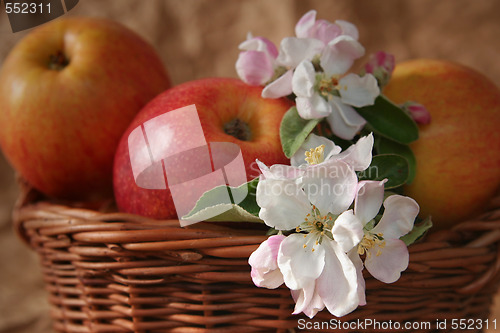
(458, 153)
(60, 128)
(218, 101)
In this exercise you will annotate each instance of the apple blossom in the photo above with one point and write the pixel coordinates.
(316, 98)
(323, 238)
(314, 66)
(386, 255)
(313, 262)
(317, 268)
(333, 46)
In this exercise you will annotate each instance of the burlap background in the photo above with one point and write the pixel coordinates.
(199, 38)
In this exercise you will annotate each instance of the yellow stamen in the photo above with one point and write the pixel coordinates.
(316, 155)
(369, 241)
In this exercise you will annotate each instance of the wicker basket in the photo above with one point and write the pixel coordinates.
(115, 272)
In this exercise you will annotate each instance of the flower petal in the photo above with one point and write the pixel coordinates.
(280, 87)
(399, 216)
(325, 31)
(298, 262)
(305, 24)
(314, 107)
(307, 300)
(344, 121)
(387, 265)
(279, 171)
(348, 29)
(358, 90)
(259, 44)
(359, 155)
(283, 203)
(312, 142)
(264, 263)
(368, 200)
(358, 263)
(254, 67)
(266, 255)
(330, 186)
(293, 50)
(347, 230)
(303, 80)
(338, 283)
(339, 55)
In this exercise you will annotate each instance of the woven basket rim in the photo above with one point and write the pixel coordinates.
(144, 232)
(461, 262)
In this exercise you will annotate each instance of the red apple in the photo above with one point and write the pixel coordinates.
(229, 111)
(458, 153)
(68, 91)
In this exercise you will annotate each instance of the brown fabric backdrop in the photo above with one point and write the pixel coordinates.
(199, 38)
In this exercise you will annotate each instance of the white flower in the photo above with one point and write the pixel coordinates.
(317, 269)
(314, 262)
(386, 255)
(334, 44)
(313, 102)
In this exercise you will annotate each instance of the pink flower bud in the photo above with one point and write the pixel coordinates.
(418, 112)
(254, 67)
(264, 263)
(255, 64)
(381, 65)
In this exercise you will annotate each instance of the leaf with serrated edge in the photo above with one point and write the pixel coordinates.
(210, 208)
(222, 212)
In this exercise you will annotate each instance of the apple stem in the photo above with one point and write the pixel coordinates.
(58, 61)
(239, 129)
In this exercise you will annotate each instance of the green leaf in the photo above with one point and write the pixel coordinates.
(389, 120)
(294, 131)
(213, 205)
(417, 231)
(390, 166)
(385, 146)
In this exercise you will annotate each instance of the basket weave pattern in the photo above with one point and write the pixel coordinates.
(115, 272)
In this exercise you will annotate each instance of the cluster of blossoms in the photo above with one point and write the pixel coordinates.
(314, 67)
(328, 221)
